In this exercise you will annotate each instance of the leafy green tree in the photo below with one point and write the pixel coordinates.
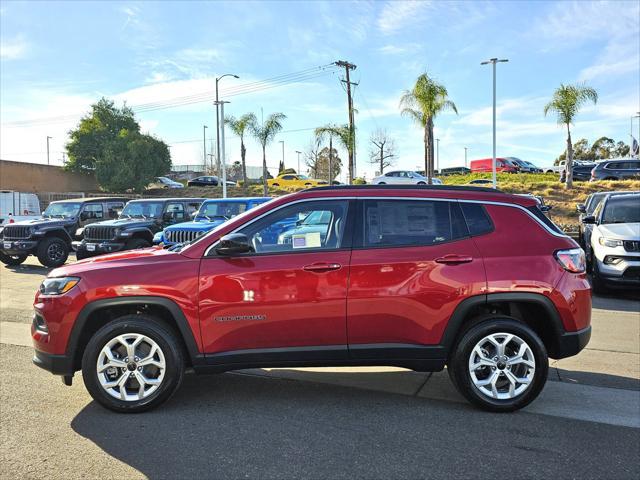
(265, 133)
(346, 139)
(603, 148)
(566, 103)
(621, 150)
(240, 126)
(95, 131)
(423, 103)
(131, 161)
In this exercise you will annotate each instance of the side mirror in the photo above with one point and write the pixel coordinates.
(581, 208)
(591, 220)
(546, 208)
(234, 244)
(85, 215)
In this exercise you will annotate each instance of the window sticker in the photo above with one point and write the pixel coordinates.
(306, 240)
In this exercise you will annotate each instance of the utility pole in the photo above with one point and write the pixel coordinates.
(48, 138)
(298, 152)
(330, 159)
(465, 157)
(352, 151)
(218, 120)
(283, 167)
(204, 145)
(438, 155)
(223, 159)
(494, 61)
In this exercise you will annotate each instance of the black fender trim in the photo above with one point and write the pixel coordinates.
(556, 349)
(48, 231)
(170, 305)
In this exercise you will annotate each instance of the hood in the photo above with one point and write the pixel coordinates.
(130, 257)
(621, 231)
(44, 221)
(125, 222)
(195, 226)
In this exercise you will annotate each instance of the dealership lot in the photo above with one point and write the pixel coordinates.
(368, 422)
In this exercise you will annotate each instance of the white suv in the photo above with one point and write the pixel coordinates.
(615, 242)
(404, 177)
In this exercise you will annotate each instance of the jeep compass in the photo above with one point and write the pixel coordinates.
(469, 278)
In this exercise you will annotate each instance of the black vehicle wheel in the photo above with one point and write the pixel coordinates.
(421, 183)
(499, 365)
(53, 252)
(275, 184)
(133, 364)
(381, 183)
(136, 244)
(12, 260)
(307, 184)
(82, 254)
(597, 283)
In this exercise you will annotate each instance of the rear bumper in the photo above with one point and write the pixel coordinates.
(56, 364)
(571, 343)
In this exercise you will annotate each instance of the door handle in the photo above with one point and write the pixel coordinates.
(322, 267)
(454, 259)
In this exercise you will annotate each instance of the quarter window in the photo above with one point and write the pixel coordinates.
(477, 218)
(390, 223)
(95, 210)
(113, 208)
(300, 227)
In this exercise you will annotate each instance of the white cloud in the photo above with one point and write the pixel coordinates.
(398, 15)
(409, 48)
(13, 48)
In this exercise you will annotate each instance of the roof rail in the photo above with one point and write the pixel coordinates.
(464, 188)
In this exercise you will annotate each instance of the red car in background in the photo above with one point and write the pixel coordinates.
(486, 165)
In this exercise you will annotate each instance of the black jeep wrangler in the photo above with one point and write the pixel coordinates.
(135, 228)
(51, 236)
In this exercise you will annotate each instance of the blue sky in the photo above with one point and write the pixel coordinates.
(59, 57)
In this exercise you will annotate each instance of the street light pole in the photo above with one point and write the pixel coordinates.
(493, 62)
(631, 134)
(298, 152)
(48, 138)
(223, 158)
(283, 167)
(218, 120)
(438, 155)
(204, 145)
(465, 157)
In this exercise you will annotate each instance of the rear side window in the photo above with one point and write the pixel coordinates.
(477, 218)
(539, 214)
(392, 223)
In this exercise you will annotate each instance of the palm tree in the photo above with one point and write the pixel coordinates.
(344, 136)
(239, 127)
(423, 103)
(566, 102)
(264, 134)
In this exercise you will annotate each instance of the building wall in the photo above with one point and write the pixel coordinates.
(34, 177)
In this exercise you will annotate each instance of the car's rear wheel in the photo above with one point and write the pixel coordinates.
(275, 184)
(53, 252)
(133, 364)
(136, 244)
(382, 183)
(421, 183)
(499, 365)
(12, 260)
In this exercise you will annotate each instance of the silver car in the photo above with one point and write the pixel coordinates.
(404, 177)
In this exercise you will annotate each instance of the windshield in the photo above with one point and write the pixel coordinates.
(221, 209)
(62, 210)
(623, 209)
(303, 177)
(142, 209)
(319, 217)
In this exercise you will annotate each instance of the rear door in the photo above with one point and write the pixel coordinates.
(412, 263)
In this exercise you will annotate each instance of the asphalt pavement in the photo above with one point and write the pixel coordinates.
(374, 422)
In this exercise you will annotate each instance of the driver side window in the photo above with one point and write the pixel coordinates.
(300, 227)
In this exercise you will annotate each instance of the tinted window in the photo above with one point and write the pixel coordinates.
(222, 209)
(477, 218)
(615, 165)
(292, 228)
(544, 219)
(176, 210)
(622, 209)
(94, 210)
(409, 222)
(113, 208)
(143, 209)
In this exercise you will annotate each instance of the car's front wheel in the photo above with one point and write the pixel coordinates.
(12, 260)
(499, 365)
(53, 252)
(133, 364)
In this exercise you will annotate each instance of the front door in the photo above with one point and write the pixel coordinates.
(413, 261)
(287, 298)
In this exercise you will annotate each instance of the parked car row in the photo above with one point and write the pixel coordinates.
(610, 236)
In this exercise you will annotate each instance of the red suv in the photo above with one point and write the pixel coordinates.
(417, 277)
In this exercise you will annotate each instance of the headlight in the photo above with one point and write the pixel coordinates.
(58, 286)
(609, 242)
(79, 232)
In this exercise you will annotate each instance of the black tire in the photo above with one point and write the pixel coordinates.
(12, 260)
(53, 252)
(275, 184)
(136, 244)
(82, 254)
(461, 353)
(597, 283)
(165, 339)
(381, 183)
(421, 183)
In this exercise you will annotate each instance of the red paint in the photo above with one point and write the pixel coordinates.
(486, 165)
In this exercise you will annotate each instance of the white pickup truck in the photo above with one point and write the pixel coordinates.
(560, 167)
(18, 206)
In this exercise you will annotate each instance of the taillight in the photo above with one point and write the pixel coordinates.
(572, 260)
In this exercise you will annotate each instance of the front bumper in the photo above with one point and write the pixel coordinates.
(56, 364)
(625, 273)
(18, 247)
(98, 247)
